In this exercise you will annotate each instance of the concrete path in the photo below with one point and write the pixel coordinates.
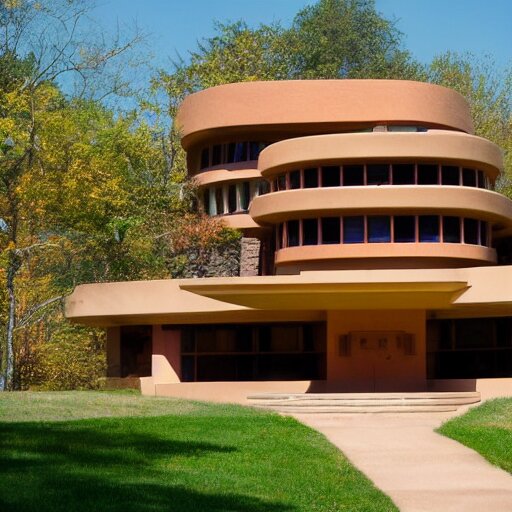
(420, 470)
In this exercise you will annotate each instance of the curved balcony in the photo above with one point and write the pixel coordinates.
(400, 255)
(430, 146)
(225, 175)
(390, 199)
(317, 106)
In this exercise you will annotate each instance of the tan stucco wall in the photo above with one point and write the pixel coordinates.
(377, 369)
(313, 105)
(166, 359)
(114, 352)
(435, 146)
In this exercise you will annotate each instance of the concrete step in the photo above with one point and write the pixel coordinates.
(359, 410)
(363, 402)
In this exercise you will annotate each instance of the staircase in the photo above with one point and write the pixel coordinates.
(332, 403)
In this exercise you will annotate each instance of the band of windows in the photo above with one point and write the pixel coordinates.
(230, 152)
(356, 175)
(382, 229)
(232, 197)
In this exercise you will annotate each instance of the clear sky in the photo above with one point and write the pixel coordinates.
(430, 27)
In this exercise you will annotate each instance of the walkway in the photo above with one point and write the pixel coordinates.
(419, 469)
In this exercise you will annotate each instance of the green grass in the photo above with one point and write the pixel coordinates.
(486, 429)
(167, 455)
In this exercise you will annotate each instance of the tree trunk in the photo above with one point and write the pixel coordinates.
(12, 269)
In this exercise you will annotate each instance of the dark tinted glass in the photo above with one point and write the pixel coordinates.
(470, 231)
(219, 202)
(230, 153)
(483, 233)
(379, 229)
(403, 174)
(240, 152)
(427, 175)
(245, 195)
(216, 154)
(281, 182)
(293, 233)
(232, 198)
(310, 232)
(331, 230)
(377, 174)
(428, 228)
(206, 201)
(353, 175)
(263, 187)
(254, 150)
(330, 176)
(404, 228)
(353, 230)
(451, 230)
(481, 179)
(295, 179)
(469, 177)
(311, 178)
(280, 236)
(205, 158)
(450, 175)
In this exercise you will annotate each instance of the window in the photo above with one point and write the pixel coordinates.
(450, 175)
(216, 154)
(311, 178)
(310, 232)
(483, 233)
(403, 174)
(404, 228)
(481, 179)
(295, 179)
(205, 158)
(219, 201)
(451, 230)
(254, 150)
(331, 230)
(470, 231)
(213, 202)
(280, 236)
(427, 174)
(245, 195)
(377, 174)
(353, 175)
(353, 230)
(379, 229)
(281, 182)
(428, 228)
(263, 187)
(293, 233)
(330, 176)
(232, 199)
(468, 177)
(240, 152)
(230, 152)
(206, 200)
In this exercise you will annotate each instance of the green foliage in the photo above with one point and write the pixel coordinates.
(201, 458)
(486, 429)
(73, 358)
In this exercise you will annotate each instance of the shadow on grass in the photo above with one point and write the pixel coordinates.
(114, 465)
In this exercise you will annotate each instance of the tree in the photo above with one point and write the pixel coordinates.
(39, 43)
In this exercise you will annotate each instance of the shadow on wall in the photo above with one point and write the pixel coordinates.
(67, 467)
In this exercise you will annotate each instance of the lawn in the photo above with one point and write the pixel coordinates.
(487, 429)
(154, 454)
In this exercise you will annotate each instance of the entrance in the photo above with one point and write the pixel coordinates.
(377, 356)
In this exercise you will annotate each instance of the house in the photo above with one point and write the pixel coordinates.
(373, 255)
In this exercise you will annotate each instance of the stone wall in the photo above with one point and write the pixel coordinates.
(250, 257)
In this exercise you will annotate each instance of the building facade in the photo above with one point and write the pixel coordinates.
(374, 254)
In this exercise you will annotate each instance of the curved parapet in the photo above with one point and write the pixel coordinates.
(431, 146)
(282, 108)
(387, 199)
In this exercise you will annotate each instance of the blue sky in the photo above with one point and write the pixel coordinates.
(430, 27)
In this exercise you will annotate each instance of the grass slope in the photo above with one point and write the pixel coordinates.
(486, 429)
(178, 456)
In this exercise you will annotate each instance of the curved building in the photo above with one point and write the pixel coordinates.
(380, 246)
